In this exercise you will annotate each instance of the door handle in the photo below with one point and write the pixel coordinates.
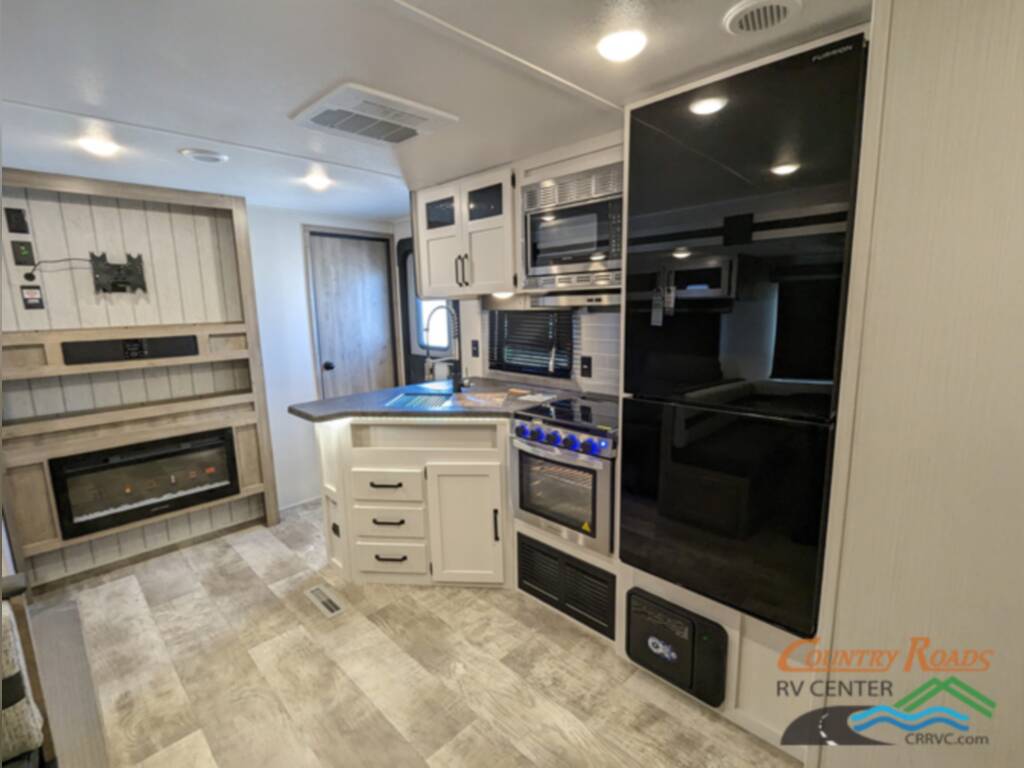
(382, 559)
(496, 536)
(328, 365)
(388, 522)
(374, 484)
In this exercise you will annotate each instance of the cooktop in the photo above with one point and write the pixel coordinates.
(597, 416)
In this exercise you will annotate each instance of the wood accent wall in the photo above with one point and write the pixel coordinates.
(195, 250)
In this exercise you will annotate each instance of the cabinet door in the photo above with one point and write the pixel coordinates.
(487, 221)
(439, 242)
(466, 522)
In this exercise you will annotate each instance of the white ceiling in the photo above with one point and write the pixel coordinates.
(227, 74)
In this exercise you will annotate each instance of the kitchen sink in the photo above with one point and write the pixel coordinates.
(424, 402)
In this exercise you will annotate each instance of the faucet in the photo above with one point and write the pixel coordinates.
(454, 361)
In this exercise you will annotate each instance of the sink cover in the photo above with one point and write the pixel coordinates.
(418, 402)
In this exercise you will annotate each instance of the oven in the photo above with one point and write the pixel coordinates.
(573, 229)
(565, 492)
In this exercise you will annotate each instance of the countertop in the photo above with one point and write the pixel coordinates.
(376, 403)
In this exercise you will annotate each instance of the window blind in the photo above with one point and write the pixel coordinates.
(532, 342)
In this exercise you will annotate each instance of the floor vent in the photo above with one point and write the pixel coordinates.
(324, 599)
(574, 587)
(751, 16)
(358, 112)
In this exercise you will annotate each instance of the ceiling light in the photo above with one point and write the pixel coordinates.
(682, 253)
(548, 217)
(203, 155)
(785, 169)
(99, 146)
(708, 106)
(622, 46)
(317, 179)
(503, 294)
(599, 256)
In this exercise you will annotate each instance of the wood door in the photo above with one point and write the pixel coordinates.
(440, 243)
(352, 309)
(466, 522)
(487, 223)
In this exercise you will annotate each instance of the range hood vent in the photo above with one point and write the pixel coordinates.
(357, 112)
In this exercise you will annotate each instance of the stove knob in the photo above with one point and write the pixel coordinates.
(522, 430)
(571, 442)
(554, 438)
(589, 446)
(537, 433)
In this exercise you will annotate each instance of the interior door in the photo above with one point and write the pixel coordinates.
(487, 222)
(466, 522)
(440, 259)
(351, 293)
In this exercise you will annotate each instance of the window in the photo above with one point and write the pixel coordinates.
(419, 311)
(438, 334)
(532, 342)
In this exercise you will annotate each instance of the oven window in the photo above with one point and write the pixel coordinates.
(571, 235)
(559, 492)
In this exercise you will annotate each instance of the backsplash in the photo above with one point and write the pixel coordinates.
(596, 335)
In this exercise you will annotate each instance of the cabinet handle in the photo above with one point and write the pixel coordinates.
(462, 273)
(458, 280)
(384, 485)
(496, 536)
(382, 559)
(465, 279)
(388, 522)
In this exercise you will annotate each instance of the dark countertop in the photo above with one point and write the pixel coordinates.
(376, 403)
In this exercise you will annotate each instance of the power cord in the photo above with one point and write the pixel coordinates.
(31, 274)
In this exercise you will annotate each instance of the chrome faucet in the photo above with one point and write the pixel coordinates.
(454, 361)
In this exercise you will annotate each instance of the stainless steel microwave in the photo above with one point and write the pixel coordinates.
(573, 229)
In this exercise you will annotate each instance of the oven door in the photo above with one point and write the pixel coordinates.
(565, 493)
(578, 238)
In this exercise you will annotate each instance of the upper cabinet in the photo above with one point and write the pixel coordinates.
(464, 236)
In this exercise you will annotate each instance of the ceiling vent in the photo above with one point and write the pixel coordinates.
(358, 112)
(752, 16)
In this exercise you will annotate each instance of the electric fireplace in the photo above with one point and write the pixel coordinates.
(105, 489)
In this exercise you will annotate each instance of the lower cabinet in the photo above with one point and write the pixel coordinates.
(464, 502)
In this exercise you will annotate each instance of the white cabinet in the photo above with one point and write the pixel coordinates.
(464, 236)
(464, 502)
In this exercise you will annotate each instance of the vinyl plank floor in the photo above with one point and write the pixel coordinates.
(212, 655)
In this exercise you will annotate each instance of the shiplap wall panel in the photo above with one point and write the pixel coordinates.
(189, 258)
(119, 546)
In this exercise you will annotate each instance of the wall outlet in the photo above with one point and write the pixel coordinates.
(586, 366)
(475, 347)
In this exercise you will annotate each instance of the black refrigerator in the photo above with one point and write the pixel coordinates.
(740, 211)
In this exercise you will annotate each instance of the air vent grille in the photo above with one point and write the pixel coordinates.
(752, 16)
(574, 188)
(368, 115)
(574, 587)
(325, 599)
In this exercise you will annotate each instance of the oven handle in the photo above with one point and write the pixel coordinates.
(559, 454)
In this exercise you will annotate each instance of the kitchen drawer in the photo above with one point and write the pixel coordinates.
(390, 522)
(387, 484)
(391, 557)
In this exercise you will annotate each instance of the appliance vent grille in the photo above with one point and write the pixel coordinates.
(752, 16)
(368, 115)
(574, 188)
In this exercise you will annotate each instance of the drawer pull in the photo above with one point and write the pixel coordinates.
(388, 522)
(385, 485)
(496, 536)
(382, 559)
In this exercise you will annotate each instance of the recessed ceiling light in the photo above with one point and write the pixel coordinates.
(682, 253)
(708, 106)
(548, 217)
(317, 179)
(622, 46)
(503, 294)
(785, 169)
(203, 155)
(99, 146)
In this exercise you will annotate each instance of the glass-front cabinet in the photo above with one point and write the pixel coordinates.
(464, 236)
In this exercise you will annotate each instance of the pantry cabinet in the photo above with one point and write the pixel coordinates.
(464, 236)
